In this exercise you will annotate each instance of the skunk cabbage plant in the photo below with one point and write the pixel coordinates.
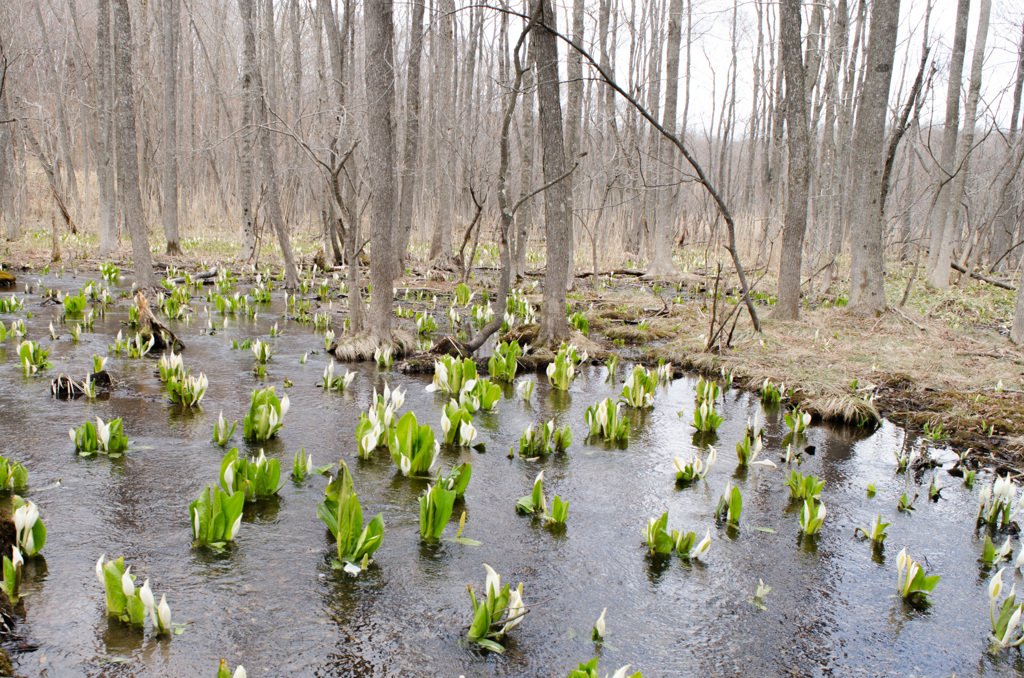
(343, 515)
(498, 612)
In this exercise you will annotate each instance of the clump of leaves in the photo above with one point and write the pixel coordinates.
(694, 469)
(730, 505)
(500, 610)
(343, 515)
(503, 363)
(606, 422)
(804, 487)
(535, 503)
(546, 439)
(913, 585)
(563, 369)
(100, 438)
(638, 389)
(875, 531)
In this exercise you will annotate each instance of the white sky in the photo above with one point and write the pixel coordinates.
(711, 53)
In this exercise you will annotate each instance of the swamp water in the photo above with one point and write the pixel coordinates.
(272, 602)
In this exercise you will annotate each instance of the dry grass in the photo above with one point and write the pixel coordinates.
(845, 367)
(361, 347)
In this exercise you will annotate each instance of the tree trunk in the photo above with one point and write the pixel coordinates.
(1005, 219)
(573, 121)
(527, 135)
(63, 129)
(380, 95)
(8, 222)
(105, 131)
(441, 242)
(296, 45)
(412, 134)
(245, 179)
(127, 150)
(169, 178)
(663, 238)
(252, 75)
(941, 250)
(553, 325)
(270, 54)
(967, 138)
(867, 265)
(787, 306)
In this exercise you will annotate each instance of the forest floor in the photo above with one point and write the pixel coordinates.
(942, 364)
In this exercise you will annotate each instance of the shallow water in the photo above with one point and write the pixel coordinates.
(272, 602)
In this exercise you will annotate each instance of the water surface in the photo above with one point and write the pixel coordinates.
(272, 602)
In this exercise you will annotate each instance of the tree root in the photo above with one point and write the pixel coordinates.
(362, 347)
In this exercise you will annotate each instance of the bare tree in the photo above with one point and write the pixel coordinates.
(8, 223)
(867, 268)
(1005, 225)
(380, 93)
(127, 149)
(169, 175)
(557, 209)
(940, 252)
(664, 226)
(69, 178)
(105, 131)
(444, 101)
(788, 305)
(573, 114)
(412, 132)
(970, 118)
(253, 76)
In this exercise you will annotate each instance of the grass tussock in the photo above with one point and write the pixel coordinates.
(634, 334)
(361, 347)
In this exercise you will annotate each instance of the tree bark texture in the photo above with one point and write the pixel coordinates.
(169, 175)
(380, 94)
(787, 306)
(867, 267)
(412, 133)
(553, 325)
(941, 249)
(127, 147)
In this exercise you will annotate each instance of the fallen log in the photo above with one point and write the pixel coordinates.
(977, 276)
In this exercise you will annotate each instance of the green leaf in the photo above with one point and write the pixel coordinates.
(490, 645)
